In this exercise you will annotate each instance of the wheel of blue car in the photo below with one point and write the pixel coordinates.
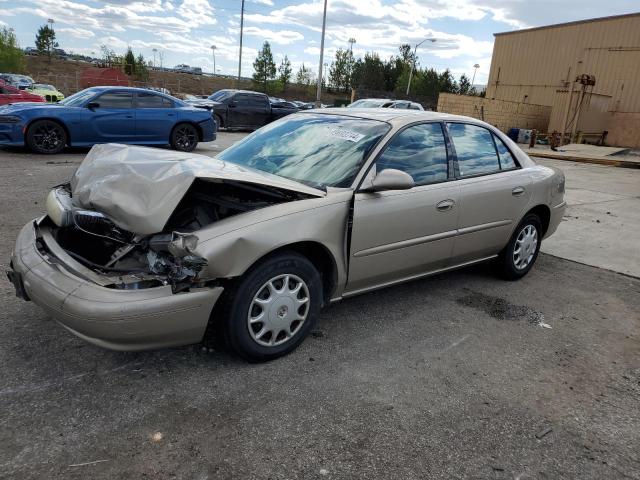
(46, 136)
(184, 137)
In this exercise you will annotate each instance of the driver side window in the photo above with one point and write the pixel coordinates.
(420, 151)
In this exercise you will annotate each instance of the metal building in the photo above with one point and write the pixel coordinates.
(543, 66)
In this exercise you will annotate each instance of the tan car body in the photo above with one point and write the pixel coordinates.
(358, 240)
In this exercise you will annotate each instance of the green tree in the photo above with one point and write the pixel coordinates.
(464, 86)
(303, 77)
(11, 56)
(142, 72)
(264, 66)
(284, 72)
(368, 73)
(447, 83)
(341, 70)
(46, 41)
(129, 62)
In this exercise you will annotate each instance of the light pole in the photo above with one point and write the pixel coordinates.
(413, 65)
(351, 42)
(240, 55)
(213, 50)
(155, 50)
(475, 68)
(324, 24)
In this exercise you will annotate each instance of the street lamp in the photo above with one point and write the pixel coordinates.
(213, 51)
(324, 24)
(475, 67)
(351, 42)
(413, 65)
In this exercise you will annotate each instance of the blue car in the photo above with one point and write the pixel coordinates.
(106, 114)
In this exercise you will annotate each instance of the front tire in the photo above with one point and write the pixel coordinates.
(46, 137)
(184, 137)
(273, 308)
(518, 257)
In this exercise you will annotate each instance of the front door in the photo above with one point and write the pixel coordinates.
(113, 119)
(402, 234)
(494, 192)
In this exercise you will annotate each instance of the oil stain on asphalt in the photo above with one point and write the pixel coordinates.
(501, 309)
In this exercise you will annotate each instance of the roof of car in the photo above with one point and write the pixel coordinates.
(389, 114)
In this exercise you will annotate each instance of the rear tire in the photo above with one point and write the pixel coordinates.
(46, 137)
(518, 257)
(218, 119)
(184, 137)
(264, 317)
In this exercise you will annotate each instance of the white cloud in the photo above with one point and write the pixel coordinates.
(281, 37)
(77, 32)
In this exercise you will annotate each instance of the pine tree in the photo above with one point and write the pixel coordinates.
(284, 72)
(46, 41)
(129, 62)
(265, 68)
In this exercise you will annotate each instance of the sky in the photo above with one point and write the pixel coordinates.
(184, 30)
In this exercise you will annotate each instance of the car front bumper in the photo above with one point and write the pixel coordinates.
(12, 134)
(108, 317)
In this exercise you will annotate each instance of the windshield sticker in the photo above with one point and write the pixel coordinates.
(345, 134)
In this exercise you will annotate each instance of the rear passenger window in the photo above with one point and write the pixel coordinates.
(419, 151)
(475, 150)
(150, 100)
(507, 161)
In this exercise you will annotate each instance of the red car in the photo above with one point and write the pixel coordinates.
(9, 94)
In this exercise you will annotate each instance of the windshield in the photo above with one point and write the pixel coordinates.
(315, 149)
(367, 103)
(221, 95)
(78, 99)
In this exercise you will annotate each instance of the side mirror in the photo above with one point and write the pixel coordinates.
(391, 179)
(92, 105)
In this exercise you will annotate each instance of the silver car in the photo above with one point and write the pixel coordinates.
(147, 248)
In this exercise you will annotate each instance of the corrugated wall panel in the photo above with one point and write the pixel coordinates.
(535, 62)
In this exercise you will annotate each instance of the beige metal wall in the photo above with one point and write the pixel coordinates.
(530, 65)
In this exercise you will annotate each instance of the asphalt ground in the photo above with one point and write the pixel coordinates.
(461, 375)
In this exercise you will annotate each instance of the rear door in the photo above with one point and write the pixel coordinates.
(155, 117)
(494, 191)
(405, 233)
(248, 110)
(113, 120)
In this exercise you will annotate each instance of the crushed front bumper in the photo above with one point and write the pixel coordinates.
(111, 318)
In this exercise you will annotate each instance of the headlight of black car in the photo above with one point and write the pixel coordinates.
(9, 119)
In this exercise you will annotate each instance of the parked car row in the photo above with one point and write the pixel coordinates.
(10, 94)
(385, 103)
(21, 82)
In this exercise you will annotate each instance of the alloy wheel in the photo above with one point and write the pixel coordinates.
(525, 247)
(185, 138)
(48, 137)
(278, 310)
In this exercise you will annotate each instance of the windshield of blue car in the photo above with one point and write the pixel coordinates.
(78, 99)
(314, 149)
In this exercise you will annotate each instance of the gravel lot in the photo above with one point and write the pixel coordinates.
(450, 377)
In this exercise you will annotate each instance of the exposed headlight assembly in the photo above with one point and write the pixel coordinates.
(59, 207)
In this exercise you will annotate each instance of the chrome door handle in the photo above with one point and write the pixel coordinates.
(445, 205)
(516, 192)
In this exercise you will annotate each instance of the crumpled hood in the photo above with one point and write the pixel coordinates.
(138, 188)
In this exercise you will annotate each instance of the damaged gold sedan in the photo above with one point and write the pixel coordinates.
(146, 248)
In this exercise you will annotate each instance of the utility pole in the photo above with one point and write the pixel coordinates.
(213, 50)
(154, 57)
(413, 65)
(324, 24)
(240, 56)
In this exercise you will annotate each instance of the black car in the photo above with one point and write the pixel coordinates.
(245, 109)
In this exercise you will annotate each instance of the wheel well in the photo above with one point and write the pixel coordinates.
(219, 120)
(321, 259)
(55, 120)
(195, 125)
(544, 213)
